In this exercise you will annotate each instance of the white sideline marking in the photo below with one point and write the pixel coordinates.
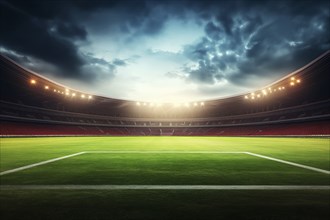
(164, 152)
(290, 163)
(164, 187)
(39, 164)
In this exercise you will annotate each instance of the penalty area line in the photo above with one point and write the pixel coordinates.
(114, 152)
(163, 152)
(164, 187)
(39, 164)
(290, 163)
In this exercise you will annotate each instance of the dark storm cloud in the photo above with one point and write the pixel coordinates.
(264, 39)
(51, 30)
(32, 36)
(242, 38)
(48, 31)
(71, 31)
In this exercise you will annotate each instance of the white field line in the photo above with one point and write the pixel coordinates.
(164, 152)
(290, 163)
(39, 164)
(164, 187)
(114, 152)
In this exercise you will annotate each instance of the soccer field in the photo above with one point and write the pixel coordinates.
(165, 178)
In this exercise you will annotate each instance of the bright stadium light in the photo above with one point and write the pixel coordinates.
(202, 104)
(138, 103)
(67, 93)
(73, 94)
(55, 90)
(144, 103)
(292, 83)
(90, 97)
(246, 97)
(292, 78)
(195, 104)
(298, 81)
(252, 97)
(46, 87)
(67, 90)
(258, 95)
(32, 81)
(82, 96)
(283, 87)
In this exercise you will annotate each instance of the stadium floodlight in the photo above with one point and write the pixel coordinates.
(292, 78)
(195, 104)
(67, 93)
(32, 81)
(269, 88)
(292, 83)
(246, 97)
(202, 104)
(252, 97)
(67, 90)
(73, 94)
(283, 87)
(90, 97)
(258, 95)
(54, 90)
(298, 81)
(82, 96)
(46, 87)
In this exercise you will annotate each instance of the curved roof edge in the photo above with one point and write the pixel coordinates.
(205, 100)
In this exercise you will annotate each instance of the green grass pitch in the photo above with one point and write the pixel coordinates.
(158, 166)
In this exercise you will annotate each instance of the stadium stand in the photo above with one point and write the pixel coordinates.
(297, 104)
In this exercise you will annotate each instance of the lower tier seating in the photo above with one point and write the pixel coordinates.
(304, 129)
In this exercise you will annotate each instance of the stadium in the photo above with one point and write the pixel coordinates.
(275, 138)
(66, 153)
(292, 106)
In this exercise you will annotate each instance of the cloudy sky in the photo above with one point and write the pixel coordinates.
(164, 50)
